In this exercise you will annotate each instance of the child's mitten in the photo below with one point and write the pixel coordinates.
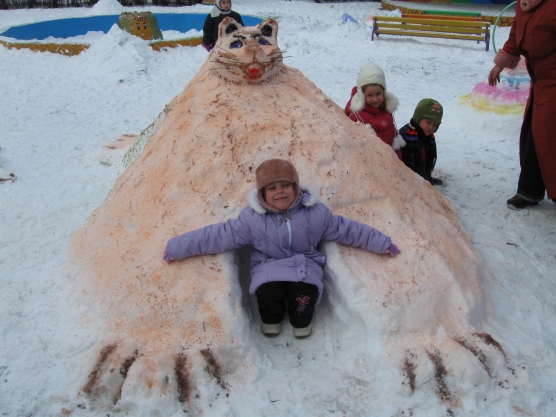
(167, 257)
(398, 142)
(394, 250)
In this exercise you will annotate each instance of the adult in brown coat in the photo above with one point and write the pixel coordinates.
(533, 35)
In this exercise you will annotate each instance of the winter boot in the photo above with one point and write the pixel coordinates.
(303, 332)
(436, 181)
(271, 330)
(518, 203)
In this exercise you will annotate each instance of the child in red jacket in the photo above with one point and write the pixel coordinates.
(372, 104)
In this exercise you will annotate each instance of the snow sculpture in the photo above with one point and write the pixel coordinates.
(181, 335)
(508, 97)
(142, 24)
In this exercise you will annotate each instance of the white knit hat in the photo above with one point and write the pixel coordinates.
(372, 74)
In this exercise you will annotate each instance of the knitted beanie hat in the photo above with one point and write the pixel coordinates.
(428, 108)
(273, 170)
(372, 74)
(217, 10)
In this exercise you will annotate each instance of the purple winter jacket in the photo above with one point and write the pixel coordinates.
(284, 249)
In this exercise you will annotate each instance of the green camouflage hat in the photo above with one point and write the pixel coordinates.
(428, 109)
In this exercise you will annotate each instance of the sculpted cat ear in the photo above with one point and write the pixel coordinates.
(227, 26)
(269, 29)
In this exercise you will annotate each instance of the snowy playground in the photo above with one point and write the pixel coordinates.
(459, 324)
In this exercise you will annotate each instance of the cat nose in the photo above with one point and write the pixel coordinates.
(254, 72)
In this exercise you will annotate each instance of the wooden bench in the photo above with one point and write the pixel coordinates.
(476, 18)
(433, 28)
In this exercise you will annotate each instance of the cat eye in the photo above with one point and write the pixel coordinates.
(236, 44)
(263, 41)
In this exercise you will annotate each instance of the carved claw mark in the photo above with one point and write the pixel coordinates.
(95, 375)
(112, 383)
(490, 341)
(409, 371)
(477, 352)
(442, 391)
(182, 378)
(213, 368)
(124, 368)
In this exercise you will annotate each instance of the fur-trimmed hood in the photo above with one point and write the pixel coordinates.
(308, 198)
(372, 74)
(358, 100)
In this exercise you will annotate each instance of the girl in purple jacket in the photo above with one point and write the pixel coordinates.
(284, 224)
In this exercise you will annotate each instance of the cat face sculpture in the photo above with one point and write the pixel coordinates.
(246, 54)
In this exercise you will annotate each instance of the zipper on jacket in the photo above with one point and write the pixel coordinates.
(289, 224)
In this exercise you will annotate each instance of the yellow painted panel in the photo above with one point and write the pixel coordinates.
(157, 46)
(443, 17)
(69, 49)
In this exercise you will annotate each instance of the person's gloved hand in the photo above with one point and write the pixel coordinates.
(393, 250)
(207, 47)
(167, 257)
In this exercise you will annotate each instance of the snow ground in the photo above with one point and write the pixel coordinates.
(58, 111)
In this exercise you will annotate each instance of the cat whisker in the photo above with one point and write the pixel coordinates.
(229, 59)
(283, 66)
(226, 50)
(276, 61)
(230, 63)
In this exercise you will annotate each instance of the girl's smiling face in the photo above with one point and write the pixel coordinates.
(279, 195)
(374, 95)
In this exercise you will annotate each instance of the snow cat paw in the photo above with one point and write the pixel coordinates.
(457, 365)
(119, 371)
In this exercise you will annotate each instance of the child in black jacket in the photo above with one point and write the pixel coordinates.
(221, 9)
(419, 153)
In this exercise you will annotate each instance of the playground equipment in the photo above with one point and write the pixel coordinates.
(412, 9)
(29, 36)
(436, 28)
(496, 24)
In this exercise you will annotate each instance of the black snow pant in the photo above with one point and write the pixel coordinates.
(530, 186)
(300, 296)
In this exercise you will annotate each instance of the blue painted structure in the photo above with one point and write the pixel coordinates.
(66, 28)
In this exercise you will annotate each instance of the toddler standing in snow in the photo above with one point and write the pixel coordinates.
(221, 9)
(419, 154)
(285, 224)
(371, 103)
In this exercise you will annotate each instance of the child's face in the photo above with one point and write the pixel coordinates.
(374, 95)
(428, 126)
(280, 194)
(226, 4)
